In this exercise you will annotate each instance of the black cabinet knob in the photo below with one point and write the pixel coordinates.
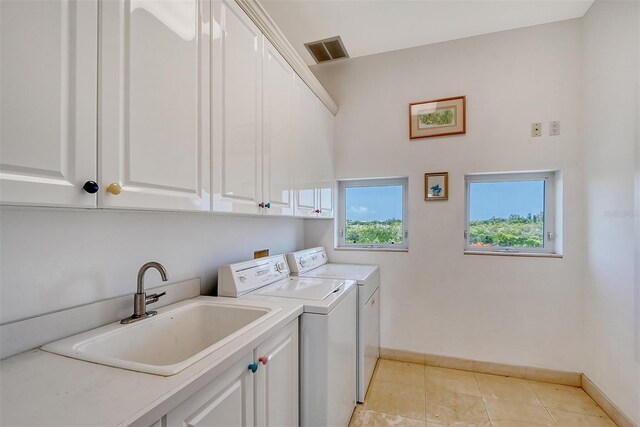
(91, 187)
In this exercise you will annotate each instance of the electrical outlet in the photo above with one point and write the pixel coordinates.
(536, 129)
(262, 253)
(554, 128)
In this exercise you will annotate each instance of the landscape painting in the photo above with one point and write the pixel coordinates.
(442, 117)
(438, 117)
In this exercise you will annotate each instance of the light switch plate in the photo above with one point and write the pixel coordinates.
(536, 129)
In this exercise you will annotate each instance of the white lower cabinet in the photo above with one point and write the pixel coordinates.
(240, 397)
(277, 381)
(226, 401)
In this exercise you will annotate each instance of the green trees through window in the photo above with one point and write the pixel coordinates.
(372, 213)
(510, 212)
(514, 231)
(388, 232)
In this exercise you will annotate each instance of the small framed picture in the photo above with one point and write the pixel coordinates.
(436, 186)
(438, 117)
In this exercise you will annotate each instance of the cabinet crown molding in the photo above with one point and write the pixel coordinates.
(261, 18)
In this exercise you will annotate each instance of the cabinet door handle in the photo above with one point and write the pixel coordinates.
(267, 205)
(114, 188)
(253, 367)
(91, 187)
(317, 211)
(264, 359)
(261, 205)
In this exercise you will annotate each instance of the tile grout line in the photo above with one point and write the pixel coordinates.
(426, 378)
(544, 405)
(482, 398)
(548, 408)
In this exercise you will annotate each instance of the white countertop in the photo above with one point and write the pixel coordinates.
(38, 388)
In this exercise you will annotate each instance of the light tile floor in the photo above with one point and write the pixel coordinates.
(406, 394)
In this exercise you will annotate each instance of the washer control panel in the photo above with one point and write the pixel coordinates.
(241, 278)
(303, 261)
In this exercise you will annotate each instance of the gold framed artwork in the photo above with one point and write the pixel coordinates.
(438, 117)
(436, 186)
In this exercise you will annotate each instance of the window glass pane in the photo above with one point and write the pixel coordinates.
(506, 214)
(374, 215)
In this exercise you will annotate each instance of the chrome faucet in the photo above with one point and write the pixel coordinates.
(140, 299)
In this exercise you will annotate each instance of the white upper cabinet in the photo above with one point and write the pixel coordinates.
(278, 132)
(325, 160)
(305, 199)
(313, 155)
(172, 105)
(48, 79)
(253, 97)
(154, 110)
(237, 110)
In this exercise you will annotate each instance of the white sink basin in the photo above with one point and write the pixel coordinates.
(166, 343)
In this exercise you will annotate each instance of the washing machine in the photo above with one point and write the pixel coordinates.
(315, 263)
(327, 332)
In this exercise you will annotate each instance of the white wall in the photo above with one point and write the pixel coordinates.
(523, 311)
(56, 258)
(610, 120)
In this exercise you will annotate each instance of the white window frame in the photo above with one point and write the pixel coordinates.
(549, 231)
(342, 211)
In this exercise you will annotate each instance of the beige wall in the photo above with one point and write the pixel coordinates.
(610, 123)
(435, 299)
(58, 258)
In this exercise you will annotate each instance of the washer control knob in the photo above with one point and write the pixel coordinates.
(280, 267)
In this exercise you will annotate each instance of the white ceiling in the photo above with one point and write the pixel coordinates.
(375, 26)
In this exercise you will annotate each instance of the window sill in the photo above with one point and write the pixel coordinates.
(346, 248)
(516, 254)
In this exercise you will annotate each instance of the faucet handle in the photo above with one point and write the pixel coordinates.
(154, 298)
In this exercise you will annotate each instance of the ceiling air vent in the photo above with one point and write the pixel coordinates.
(327, 49)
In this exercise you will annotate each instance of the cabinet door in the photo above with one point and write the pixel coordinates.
(154, 110)
(371, 320)
(226, 401)
(325, 159)
(48, 78)
(237, 110)
(278, 135)
(277, 381)
(305, 137)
